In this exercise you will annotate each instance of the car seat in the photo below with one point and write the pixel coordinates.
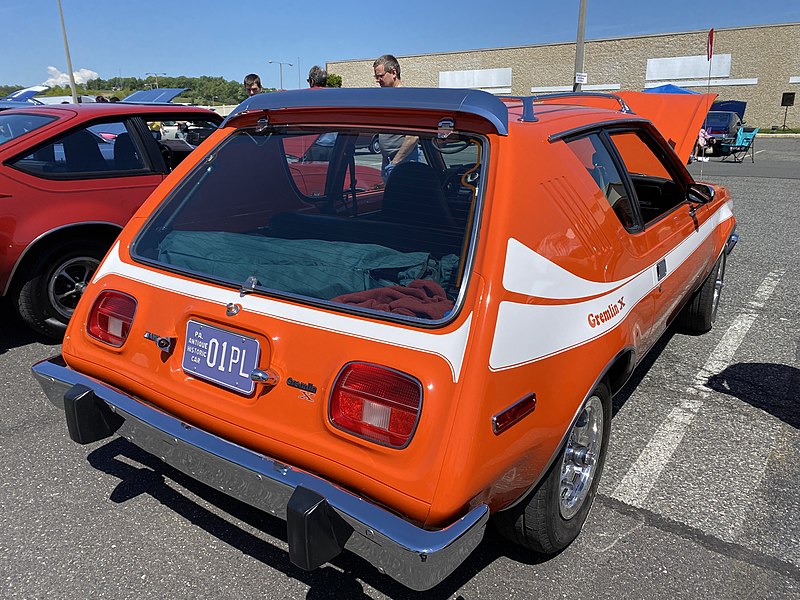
(414, 196)
(126, 158)
(82, 153)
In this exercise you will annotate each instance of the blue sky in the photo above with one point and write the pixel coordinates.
(229, 39)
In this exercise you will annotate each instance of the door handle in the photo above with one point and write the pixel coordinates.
(661, 269)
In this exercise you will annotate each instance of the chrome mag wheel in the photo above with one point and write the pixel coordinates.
(581, 456)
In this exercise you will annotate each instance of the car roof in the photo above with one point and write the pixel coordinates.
(100, 109)
(6, 104)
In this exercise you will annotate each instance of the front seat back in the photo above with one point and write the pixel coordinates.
(414, 196)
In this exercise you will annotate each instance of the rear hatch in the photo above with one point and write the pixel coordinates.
(311, 301)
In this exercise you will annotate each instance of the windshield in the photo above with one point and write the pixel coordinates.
(318, 215)
(718, 119)
(14, 125)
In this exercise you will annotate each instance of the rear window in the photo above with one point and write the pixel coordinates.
(313, 215)
(14, 126)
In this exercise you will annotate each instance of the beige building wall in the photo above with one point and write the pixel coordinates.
(764, 63)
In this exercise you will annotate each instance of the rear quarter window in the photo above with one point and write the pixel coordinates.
(13, 126)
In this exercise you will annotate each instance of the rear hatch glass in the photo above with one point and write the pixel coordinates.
(312, 215)
(15, 125)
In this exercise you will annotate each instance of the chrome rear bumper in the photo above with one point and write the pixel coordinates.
(416, 557)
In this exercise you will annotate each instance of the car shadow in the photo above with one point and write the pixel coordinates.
(771, 387)
(115, 457)
(14, 333)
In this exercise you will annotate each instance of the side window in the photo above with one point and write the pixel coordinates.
(176, 139)
(595, 157)
(308, 159)
(97, 151)
(655, 188)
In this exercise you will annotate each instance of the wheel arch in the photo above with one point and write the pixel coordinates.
(615, 374)
(619, 370)
(95, 231)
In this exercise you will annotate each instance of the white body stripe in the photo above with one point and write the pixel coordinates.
(529, 332)
(449, 346)
(529, 273)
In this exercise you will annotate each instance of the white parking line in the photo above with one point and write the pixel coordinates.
(635, 487)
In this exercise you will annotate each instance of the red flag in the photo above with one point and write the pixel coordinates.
(710, 44)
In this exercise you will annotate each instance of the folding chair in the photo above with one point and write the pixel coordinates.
(741, 146)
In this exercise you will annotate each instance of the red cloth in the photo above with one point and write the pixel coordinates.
(422, 298)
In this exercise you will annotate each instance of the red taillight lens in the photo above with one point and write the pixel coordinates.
(376, 403)
(111, 317)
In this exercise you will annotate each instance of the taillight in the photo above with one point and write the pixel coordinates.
(376, 403)
(111, 317)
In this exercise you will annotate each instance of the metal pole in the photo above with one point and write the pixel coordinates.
(156, 76)
(69, 60)
(576, 87)
(280, 66)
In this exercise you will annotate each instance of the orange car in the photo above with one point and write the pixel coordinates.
(386, 367)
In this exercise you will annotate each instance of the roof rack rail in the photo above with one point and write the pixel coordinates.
(527, 106)
(623, 105)
(528, 113)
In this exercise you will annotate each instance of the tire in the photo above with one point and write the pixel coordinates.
(553, 514)
(51, 288)
(699, 315)
(375, 145)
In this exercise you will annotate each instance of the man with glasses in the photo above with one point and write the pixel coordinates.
(252, 84)
(395, 149)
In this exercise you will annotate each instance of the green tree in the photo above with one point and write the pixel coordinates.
(334, 80)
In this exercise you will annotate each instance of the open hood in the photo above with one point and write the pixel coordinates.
(155, 96)
(26, 94)
(678, 117)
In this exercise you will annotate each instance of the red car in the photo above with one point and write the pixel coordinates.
(70, 177)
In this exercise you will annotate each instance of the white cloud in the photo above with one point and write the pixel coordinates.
(57, 78)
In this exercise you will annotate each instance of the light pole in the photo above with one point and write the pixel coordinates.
(69, 60)
(280, 67)
(156, 76)
(579, 73)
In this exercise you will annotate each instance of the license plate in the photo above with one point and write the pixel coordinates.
(220, 356)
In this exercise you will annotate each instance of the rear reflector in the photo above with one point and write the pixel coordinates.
(111, 317)
(513, 414)
(376, 403)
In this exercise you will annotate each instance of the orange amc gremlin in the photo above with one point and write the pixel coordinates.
(387, 364)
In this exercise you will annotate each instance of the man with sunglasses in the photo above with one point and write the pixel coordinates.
(395, 149)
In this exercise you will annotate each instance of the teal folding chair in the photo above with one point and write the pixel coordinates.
(741, 146)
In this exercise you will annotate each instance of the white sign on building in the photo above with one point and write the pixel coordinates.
(688, 67)
(496, 81)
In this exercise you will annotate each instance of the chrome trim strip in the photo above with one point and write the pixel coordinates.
(595, 125)
(417, 558)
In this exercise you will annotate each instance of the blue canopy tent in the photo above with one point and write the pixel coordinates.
(669, 88)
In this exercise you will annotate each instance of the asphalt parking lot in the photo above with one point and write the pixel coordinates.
(698, 500)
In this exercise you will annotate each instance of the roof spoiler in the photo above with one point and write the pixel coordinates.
(472, 102)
